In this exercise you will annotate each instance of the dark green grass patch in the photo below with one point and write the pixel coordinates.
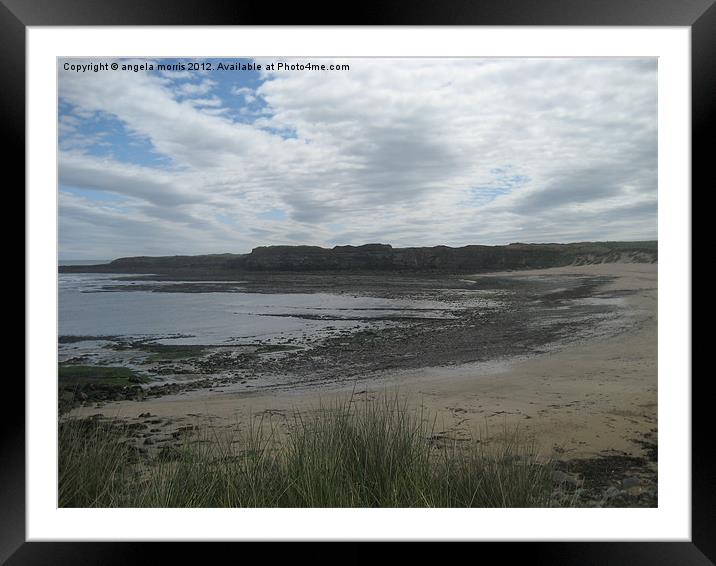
(70, 375)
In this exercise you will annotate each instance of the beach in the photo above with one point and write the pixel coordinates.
(591, 398)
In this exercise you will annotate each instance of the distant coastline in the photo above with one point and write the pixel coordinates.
(384, 258)
(63, 262)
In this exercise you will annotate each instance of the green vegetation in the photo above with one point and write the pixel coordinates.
(349, 454)
(70, 376)
(98, 375)
(93, 464)
(96, 383)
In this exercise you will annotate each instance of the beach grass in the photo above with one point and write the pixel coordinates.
(382, 453)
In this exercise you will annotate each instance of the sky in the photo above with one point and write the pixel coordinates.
(408, 152)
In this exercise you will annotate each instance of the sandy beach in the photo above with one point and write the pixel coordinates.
(595, 397)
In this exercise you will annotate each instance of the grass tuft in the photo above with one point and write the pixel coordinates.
(346, 454)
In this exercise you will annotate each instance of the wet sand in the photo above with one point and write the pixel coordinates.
(593, 397)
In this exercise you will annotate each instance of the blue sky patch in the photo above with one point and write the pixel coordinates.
(273, 214)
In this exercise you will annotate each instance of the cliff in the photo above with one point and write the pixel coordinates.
(383, 257)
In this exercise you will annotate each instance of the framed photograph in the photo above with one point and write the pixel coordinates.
(422, 276)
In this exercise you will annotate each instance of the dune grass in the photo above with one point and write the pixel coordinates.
(347, 454)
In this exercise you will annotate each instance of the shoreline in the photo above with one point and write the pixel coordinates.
(583, 403)
(540, 393)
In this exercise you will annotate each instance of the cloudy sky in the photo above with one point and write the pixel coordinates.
(411, 152)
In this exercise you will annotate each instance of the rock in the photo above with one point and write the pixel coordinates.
(442, 258)
(630, 482)
(561, 477)
(611, 492)
(148, 441)
(466, 259)
(144, 415)
(558, 476)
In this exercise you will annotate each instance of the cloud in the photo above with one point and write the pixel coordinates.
(156, 187)
(193, 89)
(248, 94)
(214, 101)
(404, 151)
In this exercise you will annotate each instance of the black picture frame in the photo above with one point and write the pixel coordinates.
(17, 15)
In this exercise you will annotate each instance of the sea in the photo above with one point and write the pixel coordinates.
(88, 308)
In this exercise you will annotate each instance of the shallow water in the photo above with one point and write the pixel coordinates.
(218, 317)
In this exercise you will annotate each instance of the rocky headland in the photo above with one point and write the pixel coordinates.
(385, 258)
